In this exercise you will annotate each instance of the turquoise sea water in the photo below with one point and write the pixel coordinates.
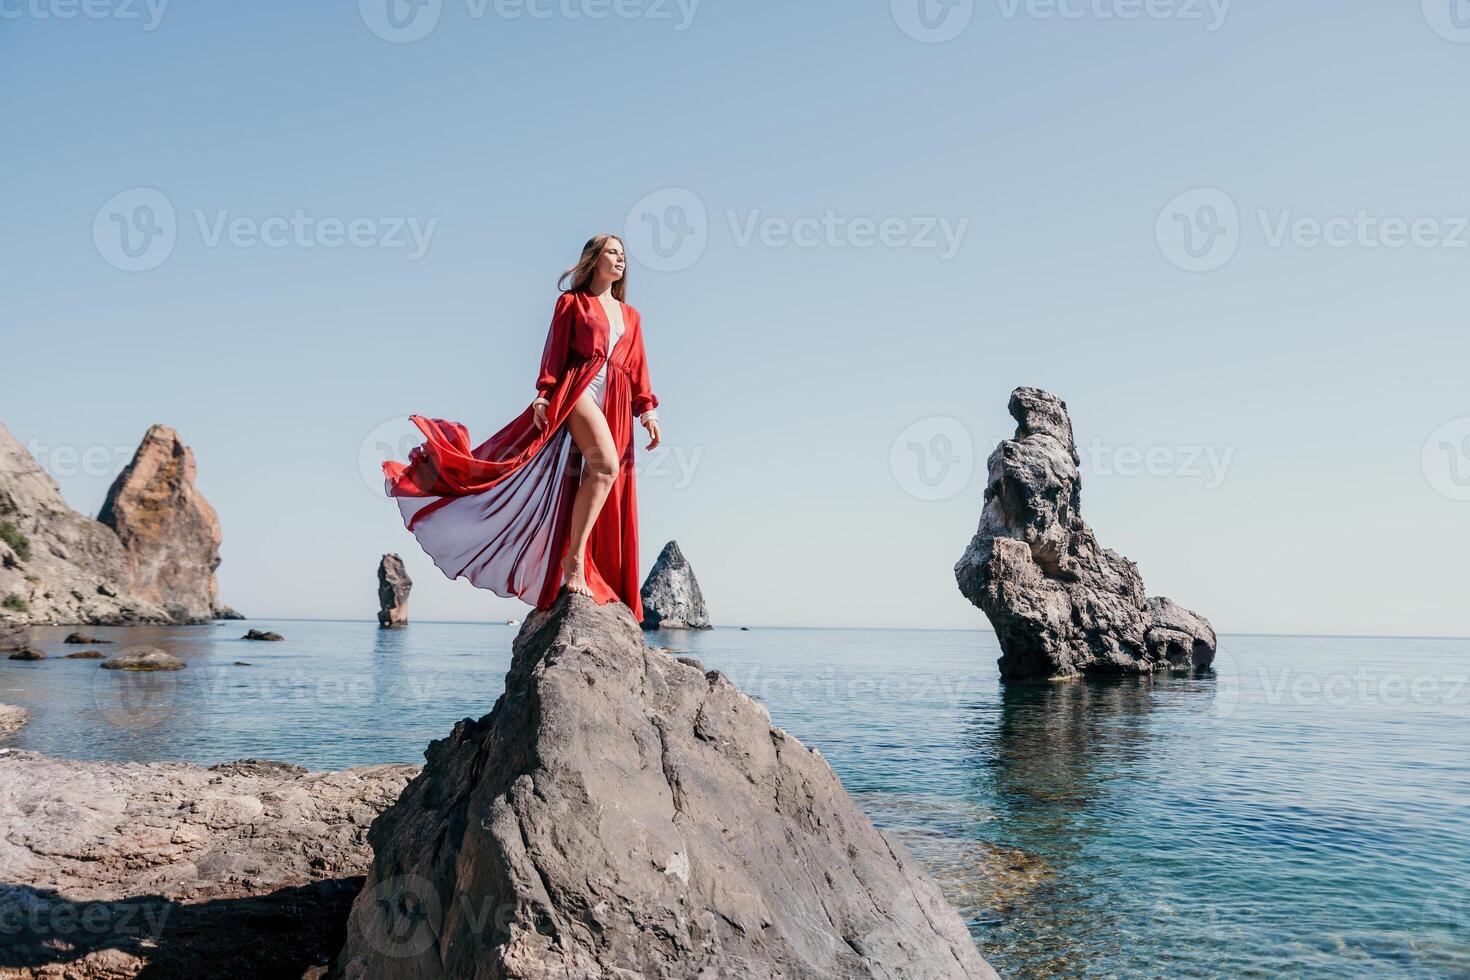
(1302, 812)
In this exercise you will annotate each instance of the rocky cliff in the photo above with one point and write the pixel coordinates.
(1059, 602)
(150, 559)
(622, 813)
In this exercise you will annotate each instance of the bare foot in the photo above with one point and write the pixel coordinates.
(571, 568)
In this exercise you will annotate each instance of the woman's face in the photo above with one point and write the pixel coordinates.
(612, 262)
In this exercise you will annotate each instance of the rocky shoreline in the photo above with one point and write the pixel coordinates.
(165, 869)
(620, 812)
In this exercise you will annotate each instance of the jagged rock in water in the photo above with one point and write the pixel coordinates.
(169, 532)
(1060, 603)
(244, 869)
(621, 813)
(83, 639)
(67, 568)
(144, 659)
(393, 587)
(225, 612)
(255, 634)
(670, 594)
(27, 653)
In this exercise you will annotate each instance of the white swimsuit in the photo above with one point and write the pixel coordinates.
(598, 385)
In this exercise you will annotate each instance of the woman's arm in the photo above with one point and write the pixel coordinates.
(558, 344)
(644, 400)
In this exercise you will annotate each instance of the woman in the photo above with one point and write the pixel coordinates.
(549, 500)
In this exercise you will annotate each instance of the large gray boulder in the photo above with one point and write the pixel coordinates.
(393, 587)
(1061, 604)
(621, 813)
(670, 595)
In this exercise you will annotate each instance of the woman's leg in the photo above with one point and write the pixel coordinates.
(594, 440)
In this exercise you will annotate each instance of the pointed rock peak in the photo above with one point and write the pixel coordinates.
(170, 533)
(671, 596)
(621, 812)
(1040, 412)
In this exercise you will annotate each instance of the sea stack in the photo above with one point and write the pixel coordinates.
(149, 559)
(169, 532)
(624, 813)
(671, 596)
(393, 587)
(1061, 604)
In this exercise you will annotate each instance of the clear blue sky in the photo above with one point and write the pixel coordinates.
(1312, 375)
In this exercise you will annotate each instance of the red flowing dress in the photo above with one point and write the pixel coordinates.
(499, 514)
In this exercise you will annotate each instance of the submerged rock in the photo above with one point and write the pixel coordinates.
(85, 655)
(12, 717)
(27, 653)
(671, 596)
(393, 587)
(1059, 602)
(623, 813)
(83, 639)
(245, 869)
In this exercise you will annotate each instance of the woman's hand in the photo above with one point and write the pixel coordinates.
(652, 426)
(538, 412)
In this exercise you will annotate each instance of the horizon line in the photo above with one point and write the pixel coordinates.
(913, 629)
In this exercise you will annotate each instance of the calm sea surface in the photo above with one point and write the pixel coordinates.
(1305, 812)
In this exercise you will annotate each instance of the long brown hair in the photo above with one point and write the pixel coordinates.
(581, 273)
